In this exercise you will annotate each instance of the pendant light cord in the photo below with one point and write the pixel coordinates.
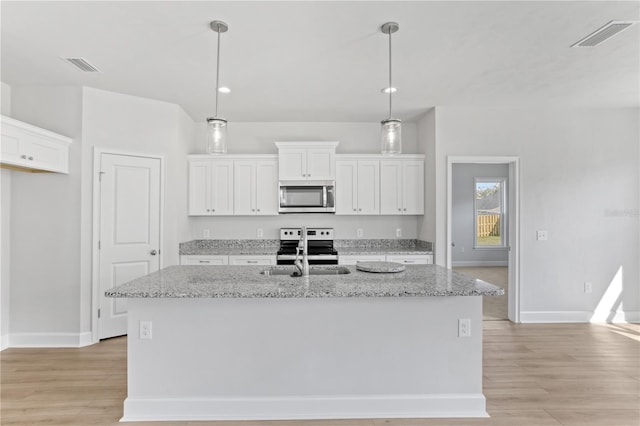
(390, 87)
(217, 70)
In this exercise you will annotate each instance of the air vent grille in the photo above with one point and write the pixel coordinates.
(82, 64)
(603, 34)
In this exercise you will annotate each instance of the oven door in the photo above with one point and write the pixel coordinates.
(307, 199)
(322, 259)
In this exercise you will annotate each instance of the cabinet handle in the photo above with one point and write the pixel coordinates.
(204, 261)
(30, 158)
(258, 210)
(359, 210)
(253, 210)
(354, 210)
(213, 210)
(208, 210)
(399, 210)
(409, 261)
(24, 157)
(252, 261)
(405, 209)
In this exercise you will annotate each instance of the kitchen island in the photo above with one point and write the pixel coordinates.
(230, 343)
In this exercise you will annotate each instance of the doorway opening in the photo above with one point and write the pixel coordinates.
(483, 227)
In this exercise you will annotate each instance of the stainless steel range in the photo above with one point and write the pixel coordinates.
(319, 243)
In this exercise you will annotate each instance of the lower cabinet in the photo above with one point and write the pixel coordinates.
(252, 260)
(204, 260)
(407, 259)
(228, 259)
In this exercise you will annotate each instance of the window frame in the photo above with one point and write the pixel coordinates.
(503, 213)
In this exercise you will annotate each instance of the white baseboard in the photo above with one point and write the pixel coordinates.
(49, 340)
(296, 408)
(4, 342)
(477, 263)
(578, 316)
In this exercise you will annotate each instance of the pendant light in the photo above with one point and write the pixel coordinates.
(391, 133)
(216, 126)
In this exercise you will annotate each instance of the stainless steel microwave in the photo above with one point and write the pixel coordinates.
(307, 197)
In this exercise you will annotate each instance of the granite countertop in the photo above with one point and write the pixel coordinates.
(270, 247)
(248, 282)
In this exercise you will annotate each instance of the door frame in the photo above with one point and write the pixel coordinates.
(95, 235)
(513, 211)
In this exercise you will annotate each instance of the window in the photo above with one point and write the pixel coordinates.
(489, 213)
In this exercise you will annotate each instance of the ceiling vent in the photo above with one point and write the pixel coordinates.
(603, 34)
(82, 64)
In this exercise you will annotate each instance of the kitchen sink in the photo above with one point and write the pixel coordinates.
(314, 270)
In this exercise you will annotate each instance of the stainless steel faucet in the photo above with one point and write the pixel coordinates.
(302, 265)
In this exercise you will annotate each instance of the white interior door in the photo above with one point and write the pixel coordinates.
(129, 231)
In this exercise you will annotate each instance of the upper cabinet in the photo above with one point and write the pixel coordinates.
(306, 160)
(30, 148)
(255, 188)
(210, 187)
(358, 185)
(402, 186)
(233, 185)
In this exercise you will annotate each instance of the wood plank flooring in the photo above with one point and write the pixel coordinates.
(534, 375)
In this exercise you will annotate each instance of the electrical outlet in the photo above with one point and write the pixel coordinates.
(464, 327)
(588, 287)
(359, 232)
(398, 232)
(542, 236)
(205, 233)
(145, 330)
(260, 233)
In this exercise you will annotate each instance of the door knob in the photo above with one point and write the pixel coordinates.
(153, 252)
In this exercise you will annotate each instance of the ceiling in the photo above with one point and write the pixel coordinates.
(327, 60)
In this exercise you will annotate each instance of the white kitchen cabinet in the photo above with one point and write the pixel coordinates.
(30, 148)
(352, 259)
(255, 190)
(245, 259)
(210, 187)
(401, 186)
(357, 187)
(306, 160)
(204, 260)
(411, 259)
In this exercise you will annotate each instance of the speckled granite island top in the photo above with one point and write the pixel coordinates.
(248, 282)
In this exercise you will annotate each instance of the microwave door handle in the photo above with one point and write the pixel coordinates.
(282, 201)
(324, 196)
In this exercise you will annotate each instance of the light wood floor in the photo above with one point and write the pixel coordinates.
(534, 375)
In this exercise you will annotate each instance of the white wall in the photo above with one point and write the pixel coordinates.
(579, 181)
(426, 135)
(5, 231)
(124, 123)
(259, 138)
(463, 217)
(45, 224)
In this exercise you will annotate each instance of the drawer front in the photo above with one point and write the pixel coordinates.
(352, 259)
(204, 260)
(414, 259)
(252, 260)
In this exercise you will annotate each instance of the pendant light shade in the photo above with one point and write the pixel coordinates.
(216, 135)
(216, 126)
(391, 132)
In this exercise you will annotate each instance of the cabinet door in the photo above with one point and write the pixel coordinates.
(199, 187)
(368, 187)
(244, 187)
(44, 154)
(346, 187)
(391, 187)
(10, 148)
(321, 164)
(412, 187)
(292, 163)
(267, 187)
(222, 187)
(204, 260)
